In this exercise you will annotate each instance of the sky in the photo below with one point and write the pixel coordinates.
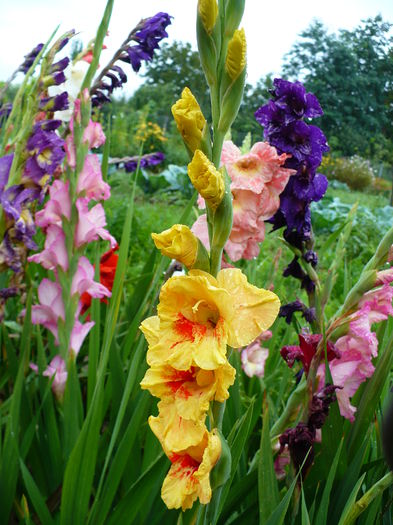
(271, 27)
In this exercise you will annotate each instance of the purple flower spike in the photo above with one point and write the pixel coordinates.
(29, 59)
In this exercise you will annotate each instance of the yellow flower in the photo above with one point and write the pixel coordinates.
(208, 11)
(206, 178)
(236, 56)
(189, 391)
(174, 432)
(189, 119)
(189, 476)
(178, 243)
(199, 315)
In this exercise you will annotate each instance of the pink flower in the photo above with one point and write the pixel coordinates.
(51, 306)
(83, 281)
(378, 303)
(91, 224)
(255, 170)
(254, 356)
(58, 370)
(94, 135)
(55, 252)
(78, 334)
(57, 206)
(90, 181)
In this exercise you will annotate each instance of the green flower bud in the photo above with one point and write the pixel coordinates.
(221, 472)
(209, 39)
(233, 14)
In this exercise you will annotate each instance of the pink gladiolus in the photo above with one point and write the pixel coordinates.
(58, 370)
(91, 224)
(83, 281)
(256, 170)
(58, 206)
(50, 308)
(55, 252)
(257, 179)
(94, 135)
(90, 180)
(78, 334)
(254, 356)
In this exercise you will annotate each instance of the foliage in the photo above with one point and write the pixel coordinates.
(354, 171)
(351, 73)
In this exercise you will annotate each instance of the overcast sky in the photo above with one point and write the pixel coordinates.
(271, 26)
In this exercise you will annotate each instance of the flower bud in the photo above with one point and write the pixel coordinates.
(208, 11)
(236, 56)
(178, 242)
(234, 10)
(221, 472)
(189, 119)
(207, 179)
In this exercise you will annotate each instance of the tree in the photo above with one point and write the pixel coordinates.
(351, 73)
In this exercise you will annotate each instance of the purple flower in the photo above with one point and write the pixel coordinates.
(57, 103)
(48, 149)
(287, 311)
(60, 65)
(321, 401)
(149, 160)
(300, 441)
(5, 166)
(292, 98)
(29, 59)
(147, 39)
(15, 202)
(139, 47)
(311, 257)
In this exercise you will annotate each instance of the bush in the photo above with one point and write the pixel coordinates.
(355, 171)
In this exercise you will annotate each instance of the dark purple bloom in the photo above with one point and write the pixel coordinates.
(64, 41)
(321, 401)
(5, 167)
(146, 161)
(57, 103)
(47, 125)
(293, 99)
(6, 293)
(60, 65)
(288, 310)
(10, 255)
(300, 441)
(311, 257)
(15, 202)
(294, 269)
(29, 59)
(146, 40)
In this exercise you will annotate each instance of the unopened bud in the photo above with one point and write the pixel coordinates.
(237, 54)
(207, 179)
(208, 11)
(189, 119)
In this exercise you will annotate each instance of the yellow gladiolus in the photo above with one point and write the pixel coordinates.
(208, 11)
(236, 56)
(189, 119)
(189, 476)
(207, 179)
(199, 315)
(174, 432)
(189, 391)
(178, 243)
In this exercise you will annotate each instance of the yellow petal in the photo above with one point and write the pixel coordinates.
(150, 328)
(189, 119)
(174, 432)
(236, 56)
(208, 11)
(207, 179)
(252, 310)
(178, 243)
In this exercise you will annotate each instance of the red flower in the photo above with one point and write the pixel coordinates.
(306, 350)
(108, 265)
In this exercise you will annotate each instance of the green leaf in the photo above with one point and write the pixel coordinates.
(321, 518)
(236, 446)
(305, 516)
(143, 490)
(267, 481)
(278, 515)
(351, 501)
(35, 495)
(10, 454)
(102, 503)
